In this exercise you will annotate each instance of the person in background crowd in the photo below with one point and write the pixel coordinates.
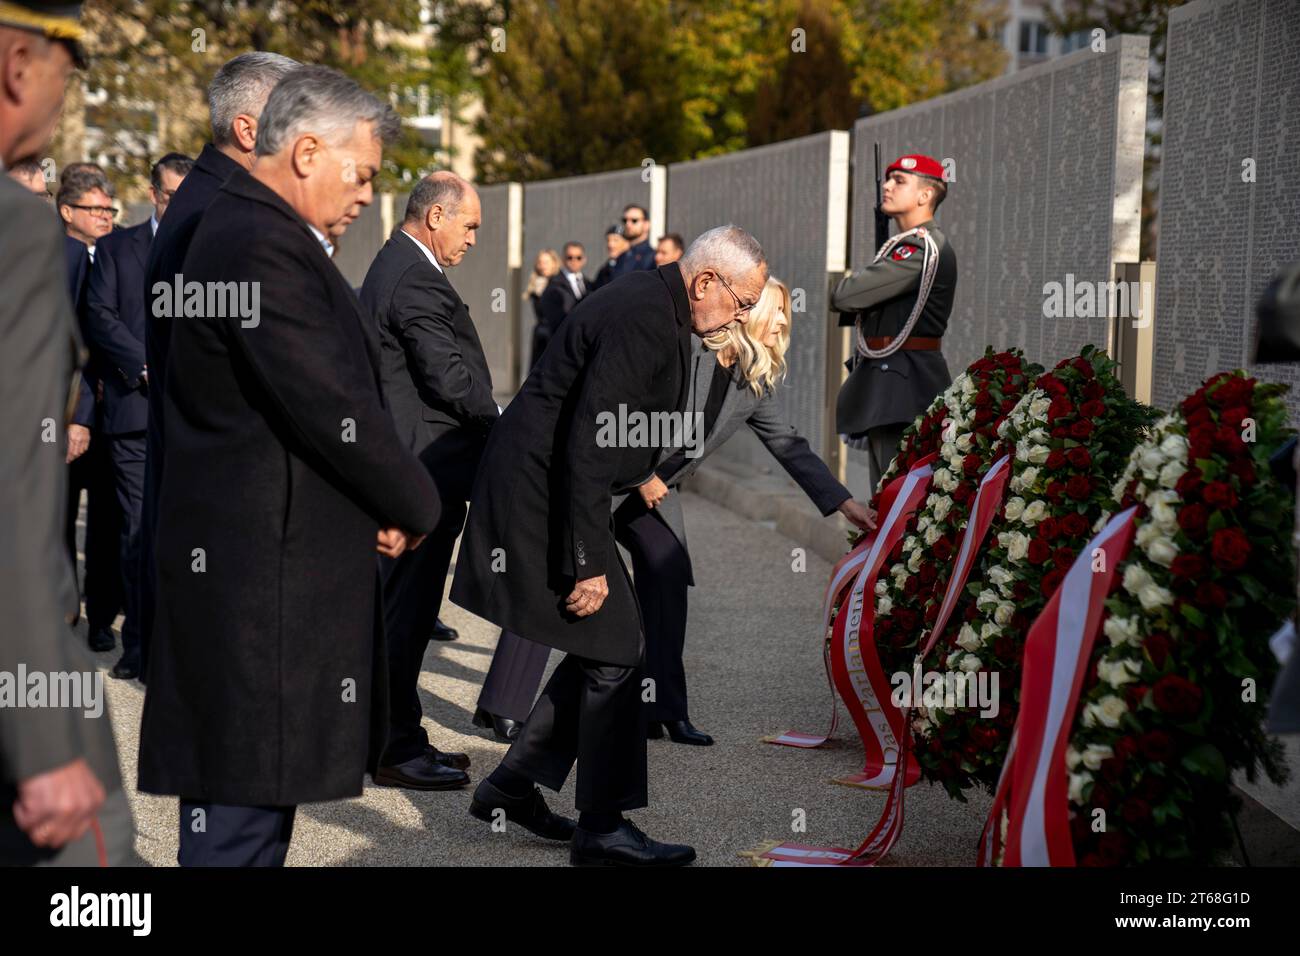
(545, 265)
(85, 201)
(439, 390)
(115, 331)
(31, 177)
(562, 292)
(236, 95)
(61, 799)
(640, 253)
(615, 246)
(669, 249)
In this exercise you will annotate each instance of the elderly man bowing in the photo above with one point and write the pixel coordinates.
(538, 554)
(284, 474)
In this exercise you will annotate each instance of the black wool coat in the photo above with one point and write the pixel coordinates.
(540, 513)
(266, 669)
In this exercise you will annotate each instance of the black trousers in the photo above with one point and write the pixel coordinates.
(218, 834)
(128, 453)
(882, 446)
(413, 586)
(149, 529)
(589, 712)
(661, 577)
(102, 591)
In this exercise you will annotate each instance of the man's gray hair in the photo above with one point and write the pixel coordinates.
(317, 99)
(242, 86)
(444, 189)
(727, 249)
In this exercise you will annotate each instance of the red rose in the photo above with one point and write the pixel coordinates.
(1004, 649)
(1039, 551)
(1112, 768)
(1133, 695)
(1055, 460)
(971, 464)
(962, 494)
(1135, 810)
(1092, 409)
(1094, 389)
(1081, 429)
(1053, 386)
(1202, 416)
(1007, 405)
(1211, 595)
(1049, 529)
(1060, 407)
(1079, 487)
(1189, 484)
(927, 574)
(1219, 494)
(1079, 457)
(1230, 548)
(1228, 440)
(1234, 391)
(1021, 590)
(1083, 367)
(1101, 796)
(1192, 519)
(1243, 470)
(1008, 360)
(1188, 566)
(943, 548)
(1194, 401)
(1054, 491)
(1063, 557)
(1114, 847)
(984, 736)
(1153, 788)
(984, 397)
(1177, 697)
(900, 640)
(1234, 416)
(984, 415)
(1157, 646)
(1126, 747)
(1074, 524)
(1050, 581)
(931, 613)
(1060, 431)
(911, 585)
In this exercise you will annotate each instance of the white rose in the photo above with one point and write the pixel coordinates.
(967, 639)
(970, 663)
(1072, 757)
(967, 385)
(1174, 447)
(942, 507)
(1153, 596)
(1034, 512)
(1004, 613)
(881, 587)
(1000, 575)
(1121, 630)
(1038, 408)
(1111, 709)
(986, 597)
(965, 442)
(1136, 578)
(1039, 437)
(1028, 477)
(1038, 454)
(932, 534)
(1117, 673)
(914, 561)
(1077, 782)
(1018, 546)
(1151, 461)
(1004, 428)
(1015, 508)
(1094, 754)
(1171, 472)
(884, 606)
(1162, 551)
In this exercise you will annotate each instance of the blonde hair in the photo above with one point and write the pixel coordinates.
(538, 280)
(762, 366)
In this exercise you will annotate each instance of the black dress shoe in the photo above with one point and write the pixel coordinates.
(503, 728)
(102, 640)
(441, 632)
(626, 846)
(529, 812)
(421, 773)
(682, 732)
(455, 761)
(128, 668)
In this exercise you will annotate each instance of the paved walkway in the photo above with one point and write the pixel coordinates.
(753, 661)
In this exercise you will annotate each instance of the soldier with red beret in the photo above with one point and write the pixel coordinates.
(899, 307)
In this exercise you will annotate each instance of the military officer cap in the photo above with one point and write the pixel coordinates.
(56, 19)
(918, 165)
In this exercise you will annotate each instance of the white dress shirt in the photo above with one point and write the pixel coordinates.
(428, 253)
(324, 242)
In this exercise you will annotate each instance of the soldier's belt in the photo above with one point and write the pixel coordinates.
(914, 344)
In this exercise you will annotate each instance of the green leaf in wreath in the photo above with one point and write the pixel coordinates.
(1206, 760)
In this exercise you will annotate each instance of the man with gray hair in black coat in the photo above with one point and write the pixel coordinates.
(284, 476)
(538, 555)
(439, 390)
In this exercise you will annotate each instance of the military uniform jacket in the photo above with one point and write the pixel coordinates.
(894, 390)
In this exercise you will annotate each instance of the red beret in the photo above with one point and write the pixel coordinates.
(918, 164)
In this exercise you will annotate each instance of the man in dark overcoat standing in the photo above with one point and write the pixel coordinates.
(538, 555)
(284, 475)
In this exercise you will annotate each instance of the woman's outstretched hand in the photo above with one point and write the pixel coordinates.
(859, 514)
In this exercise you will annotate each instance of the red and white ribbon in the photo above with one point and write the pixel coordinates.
(852, 580)
(988, 498)
(1034, 786)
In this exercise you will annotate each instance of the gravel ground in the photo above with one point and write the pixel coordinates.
(754, 667)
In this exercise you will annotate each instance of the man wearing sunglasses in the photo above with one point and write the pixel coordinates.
(640, 254)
